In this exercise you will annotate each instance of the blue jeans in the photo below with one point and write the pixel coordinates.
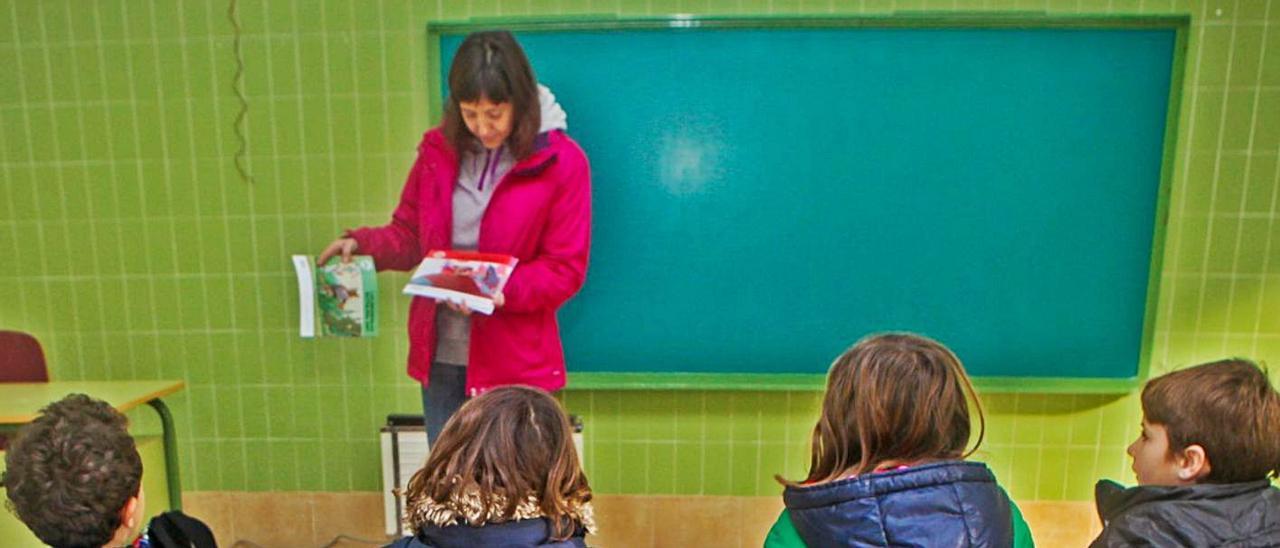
(444, 393)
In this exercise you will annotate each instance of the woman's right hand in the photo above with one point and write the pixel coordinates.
(343, 246)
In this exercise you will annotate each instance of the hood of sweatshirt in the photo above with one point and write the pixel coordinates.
(553, 117)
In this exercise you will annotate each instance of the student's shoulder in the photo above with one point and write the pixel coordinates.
(1170, 522)
(783, 534)
(1146, 528)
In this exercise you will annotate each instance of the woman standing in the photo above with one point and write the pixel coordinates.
(498, 176)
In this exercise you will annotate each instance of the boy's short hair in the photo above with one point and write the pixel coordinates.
(1229, 408)
(71, 471)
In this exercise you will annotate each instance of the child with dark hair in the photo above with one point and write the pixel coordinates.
(74, 477)
(1208, 450)
(504, 472)
(887, 466)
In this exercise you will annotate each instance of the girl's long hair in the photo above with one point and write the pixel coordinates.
(505, 447)
(893, 398)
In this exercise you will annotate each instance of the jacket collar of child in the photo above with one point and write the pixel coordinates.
(470, 508)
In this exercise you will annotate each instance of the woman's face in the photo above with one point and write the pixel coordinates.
(490, 122)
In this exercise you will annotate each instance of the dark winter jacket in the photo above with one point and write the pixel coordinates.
(1230, 514)
(951, 503)
(525, 533)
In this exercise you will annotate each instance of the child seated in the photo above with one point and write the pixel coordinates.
(74, 477)
(1209, 448)
(887, 467)
(504, 472)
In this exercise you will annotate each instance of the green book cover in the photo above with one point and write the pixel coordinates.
(341, 297)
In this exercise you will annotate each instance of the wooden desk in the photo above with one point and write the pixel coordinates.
(20, 403)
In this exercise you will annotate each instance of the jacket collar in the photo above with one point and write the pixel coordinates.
(885, 483)
(1114, 499)
(544, 151)
(527, 532)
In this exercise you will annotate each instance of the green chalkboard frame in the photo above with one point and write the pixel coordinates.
(1180, 24)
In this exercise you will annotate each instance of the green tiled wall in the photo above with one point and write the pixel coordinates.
(133, 249)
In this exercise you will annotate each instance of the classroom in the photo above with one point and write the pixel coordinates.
(1074, 196)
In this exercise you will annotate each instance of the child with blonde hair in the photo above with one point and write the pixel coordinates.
(887, 466)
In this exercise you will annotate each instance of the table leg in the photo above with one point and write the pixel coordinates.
(170, 454)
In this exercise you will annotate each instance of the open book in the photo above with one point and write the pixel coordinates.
(462, 276)
(342, 296)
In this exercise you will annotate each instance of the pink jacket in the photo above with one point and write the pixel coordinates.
(540, 213)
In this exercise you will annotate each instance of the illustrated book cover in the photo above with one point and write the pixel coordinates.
(341, 297)
(462, 276)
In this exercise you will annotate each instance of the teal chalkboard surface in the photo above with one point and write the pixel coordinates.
(765, 194)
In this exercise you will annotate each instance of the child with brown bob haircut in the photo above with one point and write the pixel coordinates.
(1208, 450)
(887, 466)
(504, 472)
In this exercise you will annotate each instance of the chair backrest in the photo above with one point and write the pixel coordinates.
(21, 358)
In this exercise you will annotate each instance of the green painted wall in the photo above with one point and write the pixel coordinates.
(134, 249)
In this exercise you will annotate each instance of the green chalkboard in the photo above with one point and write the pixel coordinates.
(768, 191)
